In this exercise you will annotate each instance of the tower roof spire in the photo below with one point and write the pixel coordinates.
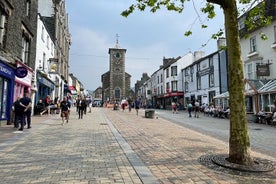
(117, 41)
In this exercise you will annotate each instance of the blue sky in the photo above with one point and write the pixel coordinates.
(147, 37)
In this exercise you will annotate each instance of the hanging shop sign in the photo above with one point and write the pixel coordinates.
(21, 72)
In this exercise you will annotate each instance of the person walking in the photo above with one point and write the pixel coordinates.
(47, 105)
(173, 107)
(65, 108)
(190, 107)
(196, 109)
(17, 112)
(26, 104)
(137, 105)
(81, 103)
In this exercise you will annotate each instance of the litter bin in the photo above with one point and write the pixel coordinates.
(149, 113)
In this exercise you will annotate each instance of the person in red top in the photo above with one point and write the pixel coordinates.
(47, 105)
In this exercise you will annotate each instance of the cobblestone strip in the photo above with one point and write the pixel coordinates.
(171, 152)
(143, 172)
(82, 151)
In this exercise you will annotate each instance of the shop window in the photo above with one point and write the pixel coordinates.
(249, 104)
(3, 97)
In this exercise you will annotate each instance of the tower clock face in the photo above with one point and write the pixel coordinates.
(117, 55)
(117, 58)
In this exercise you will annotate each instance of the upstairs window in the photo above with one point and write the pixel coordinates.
(25, 49)
(28, 6)
(42, 33)
(274, 34)
(211, 80)
(2, 28)
(253, 44)
(174, 71)
(167, 72)
(250, 71)
(174, 86)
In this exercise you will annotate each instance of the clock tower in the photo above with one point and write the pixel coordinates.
(116, 82)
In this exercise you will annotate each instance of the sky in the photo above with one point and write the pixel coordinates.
(147, 37)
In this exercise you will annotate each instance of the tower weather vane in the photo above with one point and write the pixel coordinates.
(117, 38)
(117, 41)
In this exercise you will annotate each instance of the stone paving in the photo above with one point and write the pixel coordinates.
(108, 146)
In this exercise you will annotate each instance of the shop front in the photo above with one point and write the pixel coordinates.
(176, 97)
(6, 92)
(44, 86)
(23, 80)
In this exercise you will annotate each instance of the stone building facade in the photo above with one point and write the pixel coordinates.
(116, 82)
(18, 23)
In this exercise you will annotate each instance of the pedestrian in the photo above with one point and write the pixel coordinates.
(173, 107)
(90, 104)
(129, 105)
(40, 106)
(17, 112)
(81, 104)
(65, 108)
(190, 108)
(47, 105)
(26, 103)
(196, 109)
(137, 105)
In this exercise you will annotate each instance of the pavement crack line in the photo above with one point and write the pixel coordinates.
(142, 171)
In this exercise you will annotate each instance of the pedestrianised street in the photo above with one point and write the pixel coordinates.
(112, 146)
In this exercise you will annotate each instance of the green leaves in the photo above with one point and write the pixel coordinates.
(209, 9)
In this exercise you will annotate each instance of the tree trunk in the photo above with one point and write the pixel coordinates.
(239, 143)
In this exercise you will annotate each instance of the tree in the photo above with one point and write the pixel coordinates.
(239, 143)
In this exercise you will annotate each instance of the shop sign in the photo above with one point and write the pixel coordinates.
(21, 72)
(5, 70)
(263, 70)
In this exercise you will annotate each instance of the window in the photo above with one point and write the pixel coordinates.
(211, 62)
(25, 49)
(117, 93)
(44, 61)
(186, 72)
(174, 86)
(192, 74)
(174, 71)
(157, 79)
(3, 97)
(253, 44)
(42, 33)
(167, 73)
(48, 39)
(168, 87)
(198, 82)
(250, 71)
(2, 28)
(186, 87)
(211, 80)
(161, 78)
(274, 34)
(198, 67)
(28, 5)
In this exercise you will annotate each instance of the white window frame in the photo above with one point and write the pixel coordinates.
(253, 44)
